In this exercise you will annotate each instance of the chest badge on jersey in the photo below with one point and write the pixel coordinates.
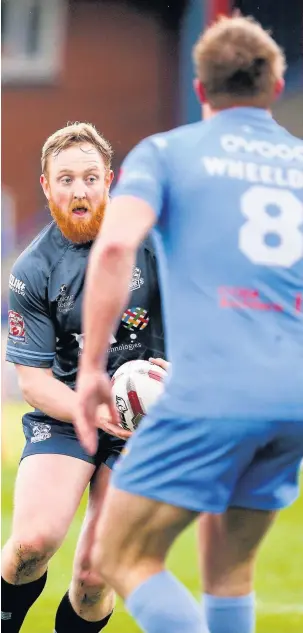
(137, 280)
(65, 302)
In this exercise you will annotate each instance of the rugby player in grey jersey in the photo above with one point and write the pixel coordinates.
(45, 341)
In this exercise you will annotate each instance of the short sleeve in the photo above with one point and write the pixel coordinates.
(31, 335)
(143, 173)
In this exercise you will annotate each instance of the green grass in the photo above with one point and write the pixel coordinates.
(279, 572)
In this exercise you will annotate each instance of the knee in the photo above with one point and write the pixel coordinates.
(87, 571)
(86, 576)
(89, 590)
(30, 553)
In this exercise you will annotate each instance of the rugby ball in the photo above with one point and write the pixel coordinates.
(137, 385)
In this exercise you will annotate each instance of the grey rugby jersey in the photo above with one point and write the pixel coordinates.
(45, 300)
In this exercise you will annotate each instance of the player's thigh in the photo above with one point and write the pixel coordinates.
(231, 539)
(228, 544)
(48, 491)
(134, 529)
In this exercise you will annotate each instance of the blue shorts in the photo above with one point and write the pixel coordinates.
(208, 465)
(45, 436)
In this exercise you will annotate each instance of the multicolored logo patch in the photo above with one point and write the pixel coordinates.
(135, 319)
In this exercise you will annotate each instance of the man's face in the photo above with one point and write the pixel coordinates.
(77, 186)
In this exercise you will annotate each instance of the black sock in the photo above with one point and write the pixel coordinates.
(67, 620)
(16, 600)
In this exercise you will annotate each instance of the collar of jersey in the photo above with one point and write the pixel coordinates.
(76, 245)
(69, 243)
(242, 111)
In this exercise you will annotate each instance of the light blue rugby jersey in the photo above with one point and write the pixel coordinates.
(228, 197)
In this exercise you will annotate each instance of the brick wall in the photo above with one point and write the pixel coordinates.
(119, 71)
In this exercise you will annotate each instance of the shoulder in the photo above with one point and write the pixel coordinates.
(293, 141)
(161, 143)
(41, 255)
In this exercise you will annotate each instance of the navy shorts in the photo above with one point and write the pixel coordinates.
(46, 436)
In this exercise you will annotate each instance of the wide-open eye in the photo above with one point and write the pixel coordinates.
(92, 179)
(65, 180)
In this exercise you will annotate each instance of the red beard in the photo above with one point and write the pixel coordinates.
(79, 229)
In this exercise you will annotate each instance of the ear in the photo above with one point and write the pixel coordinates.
(200, 91)
(279, 88)
(45, 186)
(109, 177)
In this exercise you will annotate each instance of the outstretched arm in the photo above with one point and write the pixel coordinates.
(109, 272)
(137, 204)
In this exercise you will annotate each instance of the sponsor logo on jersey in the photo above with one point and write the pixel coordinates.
(232, 144)
(65, 302)
(40, 432)
(124, 347)
(245, 299)
(137, 280)
(80, 340)
(135, 319)
(250, 299)
(16, 285)
(16, 331)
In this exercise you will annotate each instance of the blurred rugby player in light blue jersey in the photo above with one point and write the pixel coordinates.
(225, 199)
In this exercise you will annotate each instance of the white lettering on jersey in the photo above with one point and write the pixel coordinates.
(232, 144)
(16, 285)
(253, 172)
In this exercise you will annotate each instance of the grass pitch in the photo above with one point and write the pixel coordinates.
(279, 573)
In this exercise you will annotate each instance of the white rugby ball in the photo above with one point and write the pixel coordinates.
(137, 385)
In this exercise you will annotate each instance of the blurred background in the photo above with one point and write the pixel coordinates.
(124, 65)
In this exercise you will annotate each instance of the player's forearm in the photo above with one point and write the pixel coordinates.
(106, 292)
(42, 391)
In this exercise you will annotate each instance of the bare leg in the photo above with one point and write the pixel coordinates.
(91, 598)
(133, 537)
(47, 494)
(228, 547)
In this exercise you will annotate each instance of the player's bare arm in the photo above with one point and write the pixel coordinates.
(42, 391)
(106, 292)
